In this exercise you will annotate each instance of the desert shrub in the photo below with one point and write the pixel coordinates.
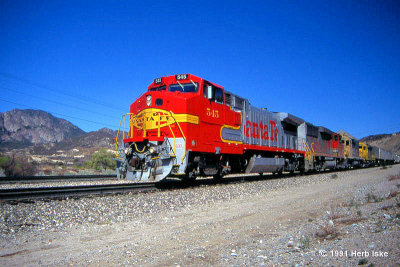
(102, 159)
(17, 166)
(353, 203)
(327, 231)
(305, 242)
(372, 198)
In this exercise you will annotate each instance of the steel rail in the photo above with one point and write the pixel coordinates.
(46, 178)
(71, 191)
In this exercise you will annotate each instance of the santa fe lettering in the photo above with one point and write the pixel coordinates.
(261, 130)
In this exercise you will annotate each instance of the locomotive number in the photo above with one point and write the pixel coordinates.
(212, 113)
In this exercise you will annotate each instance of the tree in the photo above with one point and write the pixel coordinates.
(102, 159)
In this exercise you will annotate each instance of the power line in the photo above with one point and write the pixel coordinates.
(60, 114)
(56, 102)
(53, 90)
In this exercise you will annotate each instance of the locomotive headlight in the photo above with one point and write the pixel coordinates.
(148, 100)
(152, 149)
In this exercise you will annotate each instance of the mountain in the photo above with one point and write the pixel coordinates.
(102, 138)
(389, 142)
(371, 138)
(21, 128)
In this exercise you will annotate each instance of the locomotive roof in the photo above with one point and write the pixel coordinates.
(289, 118)
(175, 77)
(341, 132)
(324, 130)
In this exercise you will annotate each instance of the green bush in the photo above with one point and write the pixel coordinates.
(3, 160)
(102, 159)
(17, 166)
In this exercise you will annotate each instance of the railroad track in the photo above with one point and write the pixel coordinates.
(31, 179)
(72, 191)
(86, 190)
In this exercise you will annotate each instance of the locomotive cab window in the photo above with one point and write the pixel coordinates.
(217, 94)
(183, 87)
(228, 99)
(159, 88)
(205, 90)
(239, 103)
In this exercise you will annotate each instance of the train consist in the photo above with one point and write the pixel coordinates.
(186, 126)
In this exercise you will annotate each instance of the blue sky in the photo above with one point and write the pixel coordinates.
(333, 63)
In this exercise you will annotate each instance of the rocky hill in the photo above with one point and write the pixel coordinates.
(389, 142)
(22, 128)
(371, 138)
(39, 132)
(90, 141)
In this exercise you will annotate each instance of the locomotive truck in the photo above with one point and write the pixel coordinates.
(186, 126)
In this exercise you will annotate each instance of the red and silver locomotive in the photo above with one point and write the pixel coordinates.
(186, 126)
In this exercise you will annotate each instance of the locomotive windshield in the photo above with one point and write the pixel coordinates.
(159, 88)
(183, 87)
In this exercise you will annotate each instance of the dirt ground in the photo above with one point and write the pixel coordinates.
(350, 219)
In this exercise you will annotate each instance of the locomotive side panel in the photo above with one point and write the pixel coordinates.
(262, 128)
(232, 133)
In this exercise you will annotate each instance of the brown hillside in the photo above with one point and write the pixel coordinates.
(388, 142)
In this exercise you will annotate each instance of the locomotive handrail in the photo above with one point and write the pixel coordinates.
(183, 135)
(134, 118)
(122, 122)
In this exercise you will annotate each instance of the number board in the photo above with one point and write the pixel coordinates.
(181, 76)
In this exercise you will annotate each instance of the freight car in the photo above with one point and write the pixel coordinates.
(186, 126)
